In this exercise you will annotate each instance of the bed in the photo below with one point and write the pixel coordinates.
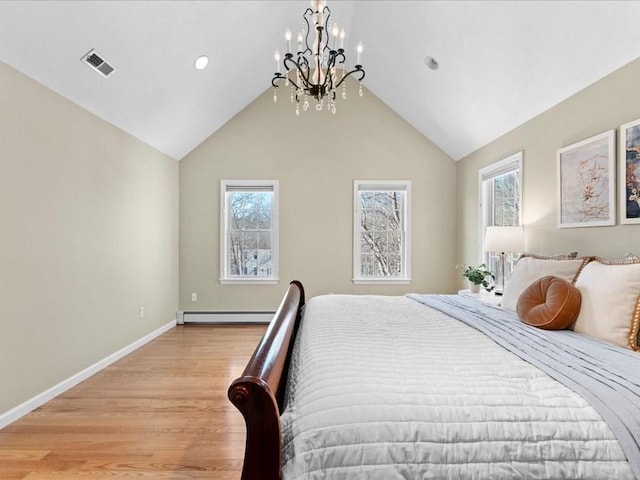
(436, 386)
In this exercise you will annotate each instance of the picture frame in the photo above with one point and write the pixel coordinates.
(629, 172)
(587, 182)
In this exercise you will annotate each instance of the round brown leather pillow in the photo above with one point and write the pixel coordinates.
(550, 303)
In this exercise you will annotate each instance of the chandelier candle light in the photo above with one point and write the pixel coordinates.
(314, 70)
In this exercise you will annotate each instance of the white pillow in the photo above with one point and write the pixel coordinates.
(528, 269)
(609, 309)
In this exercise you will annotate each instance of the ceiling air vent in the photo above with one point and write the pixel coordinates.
(98, 63)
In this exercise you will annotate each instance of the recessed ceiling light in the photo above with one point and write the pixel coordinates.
(431, 63)
(201, 62)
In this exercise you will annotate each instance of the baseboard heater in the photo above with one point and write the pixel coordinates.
(223, 317)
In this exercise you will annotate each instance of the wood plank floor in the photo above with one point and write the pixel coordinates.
(161, 412)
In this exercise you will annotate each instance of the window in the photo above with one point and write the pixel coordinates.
(500, 204)
(249, 231)
(381, 232)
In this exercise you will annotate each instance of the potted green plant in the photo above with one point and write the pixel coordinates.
(477, 276)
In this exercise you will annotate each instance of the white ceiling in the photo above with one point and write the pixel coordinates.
(501, 62)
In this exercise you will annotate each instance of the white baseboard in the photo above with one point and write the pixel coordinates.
(224, 317)
(15, 413)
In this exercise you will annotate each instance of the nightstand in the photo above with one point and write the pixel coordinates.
(482, 296)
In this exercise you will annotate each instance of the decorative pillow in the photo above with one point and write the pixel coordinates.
(610, 310)
(531, 268)
(634, 336)
(550, 303)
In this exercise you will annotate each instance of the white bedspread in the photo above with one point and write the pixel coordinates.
(386, 388)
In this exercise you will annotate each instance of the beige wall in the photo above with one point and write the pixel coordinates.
(315, 157)
(602, 106)
(88, 234)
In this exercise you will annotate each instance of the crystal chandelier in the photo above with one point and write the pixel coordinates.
(318, 69)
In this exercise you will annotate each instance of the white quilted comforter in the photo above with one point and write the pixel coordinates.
(385, 388)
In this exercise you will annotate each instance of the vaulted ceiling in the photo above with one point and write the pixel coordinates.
(501, 62)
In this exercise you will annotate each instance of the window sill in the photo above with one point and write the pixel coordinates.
(382, 281)
(249, 281)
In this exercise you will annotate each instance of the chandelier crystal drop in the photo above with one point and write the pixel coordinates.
(317, 69)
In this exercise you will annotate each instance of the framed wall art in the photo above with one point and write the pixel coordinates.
(586, 182)
(629, 172)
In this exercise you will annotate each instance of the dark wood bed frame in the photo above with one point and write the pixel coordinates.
(259, 392)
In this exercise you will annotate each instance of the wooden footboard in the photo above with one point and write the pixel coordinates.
(259, 392)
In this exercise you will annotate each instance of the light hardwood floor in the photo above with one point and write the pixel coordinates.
(161, 413)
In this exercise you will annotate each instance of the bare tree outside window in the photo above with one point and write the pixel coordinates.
(250, 225)
(506, 200)
(381, 233)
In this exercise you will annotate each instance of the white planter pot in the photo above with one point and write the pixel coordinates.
(474, 288)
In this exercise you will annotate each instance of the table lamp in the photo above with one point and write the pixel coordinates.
(503, 240)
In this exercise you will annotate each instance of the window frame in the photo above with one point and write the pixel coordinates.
(225, 278)
(405, 252)
(485, 215)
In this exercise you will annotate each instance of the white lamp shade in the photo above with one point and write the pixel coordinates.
(504, 239)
